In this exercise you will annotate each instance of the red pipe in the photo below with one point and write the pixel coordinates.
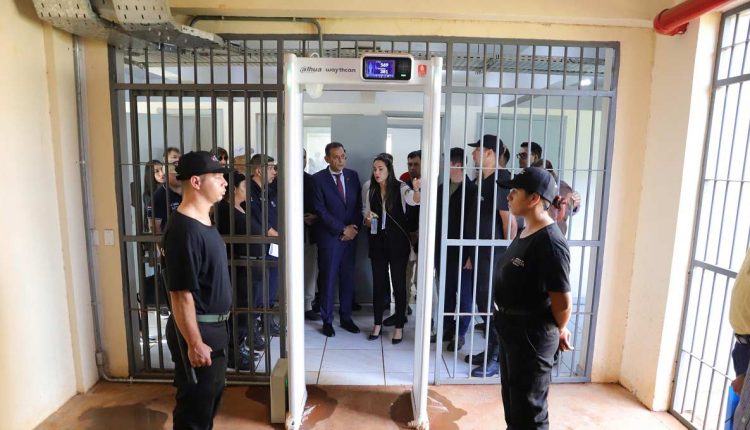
(675, 20)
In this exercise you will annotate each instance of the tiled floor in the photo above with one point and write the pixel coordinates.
(148, 407)
(351, 359)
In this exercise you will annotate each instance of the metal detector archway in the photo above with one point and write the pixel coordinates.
(346, 74)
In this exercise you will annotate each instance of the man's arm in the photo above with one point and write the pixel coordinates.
(183, 309)
(562, 307)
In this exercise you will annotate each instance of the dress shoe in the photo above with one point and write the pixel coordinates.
(493, 368)
(328, 330)
(349, 326)
(312, 315)
(455, 346)
(396, 340)
(375, 336)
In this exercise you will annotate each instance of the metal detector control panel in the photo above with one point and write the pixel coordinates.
(387, 67)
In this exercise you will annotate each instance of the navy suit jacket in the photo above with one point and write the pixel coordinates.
(334, 213)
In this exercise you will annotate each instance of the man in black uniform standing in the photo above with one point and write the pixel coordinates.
(532, 294)
(200, 291)
(495, 223)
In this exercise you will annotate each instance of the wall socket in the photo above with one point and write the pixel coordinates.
(109, 237)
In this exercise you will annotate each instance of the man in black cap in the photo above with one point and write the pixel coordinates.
(495, 223)
(200, 291)
(532, 294)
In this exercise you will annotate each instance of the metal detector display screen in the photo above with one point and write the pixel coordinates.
(386, 69)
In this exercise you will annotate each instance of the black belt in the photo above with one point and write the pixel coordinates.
(743, 339)
(521, 312)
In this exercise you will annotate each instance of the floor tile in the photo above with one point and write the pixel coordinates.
(311, 378)
(397, 361)
(313, 358)
(351, 360)
(399, 378)
(351, 378)
(346, 340)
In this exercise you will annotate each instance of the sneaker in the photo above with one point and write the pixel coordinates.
(259, 342)
(493, 369)
(246, 360)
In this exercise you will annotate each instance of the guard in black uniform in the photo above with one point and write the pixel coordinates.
(532, 295)
(200, 291)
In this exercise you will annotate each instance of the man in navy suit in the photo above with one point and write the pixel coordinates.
(338, 204)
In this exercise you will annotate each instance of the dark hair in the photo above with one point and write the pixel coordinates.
(536, 149)
(237, 179)
(506, 154)
(457, 155)
(546, 165)
(149, 182)
(258, 160)
(169, 150)
(333, 145)
(392, 185)
(386, 155)
(221, 152)
(415, 154)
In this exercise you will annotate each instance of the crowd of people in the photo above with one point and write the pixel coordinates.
(521, 291)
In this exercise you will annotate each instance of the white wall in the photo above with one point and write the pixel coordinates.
(43, 278)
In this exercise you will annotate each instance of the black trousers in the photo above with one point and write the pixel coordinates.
(485, 264)
(396, 258)
(197, 405)
(528, 349)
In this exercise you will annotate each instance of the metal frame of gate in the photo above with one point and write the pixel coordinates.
(467, 63)
(703, 370)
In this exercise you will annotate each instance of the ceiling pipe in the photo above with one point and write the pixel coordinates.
(675, 20)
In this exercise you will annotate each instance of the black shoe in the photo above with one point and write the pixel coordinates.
(493, 368)
(408, 310)
(312, 315)
(433, 338)
(398, 340)
(356, 307)
(349, 326)
(455, 346)
(375, 336)
(259, 343)
(245, 362)
(476, 359)
(328, 330)
(273, 328)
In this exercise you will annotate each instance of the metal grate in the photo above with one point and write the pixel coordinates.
(561, 95)
(721, 238)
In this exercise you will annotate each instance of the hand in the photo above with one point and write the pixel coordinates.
(468, 265)
(199, 355)
(416, 184)
(310, 219)
(367, 220)
(575, 201)
(737, 384)
(350, 232)
(272, 232)
(565, 340)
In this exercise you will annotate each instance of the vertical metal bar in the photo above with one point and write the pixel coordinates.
(722, 318)
(705, 336)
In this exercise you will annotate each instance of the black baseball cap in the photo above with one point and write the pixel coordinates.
(489, 141)
(196, 163)
(533, 180)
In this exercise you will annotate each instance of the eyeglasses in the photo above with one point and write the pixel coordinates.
(522, 155)
(223, 157)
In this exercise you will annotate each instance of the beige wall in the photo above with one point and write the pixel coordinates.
(674, 145)
(43, 277)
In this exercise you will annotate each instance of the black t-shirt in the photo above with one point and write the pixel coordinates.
(493, 199)
(197, 261)
(159, 209)
(530, 268)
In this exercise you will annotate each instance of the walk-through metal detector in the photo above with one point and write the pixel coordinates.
(376, 72)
